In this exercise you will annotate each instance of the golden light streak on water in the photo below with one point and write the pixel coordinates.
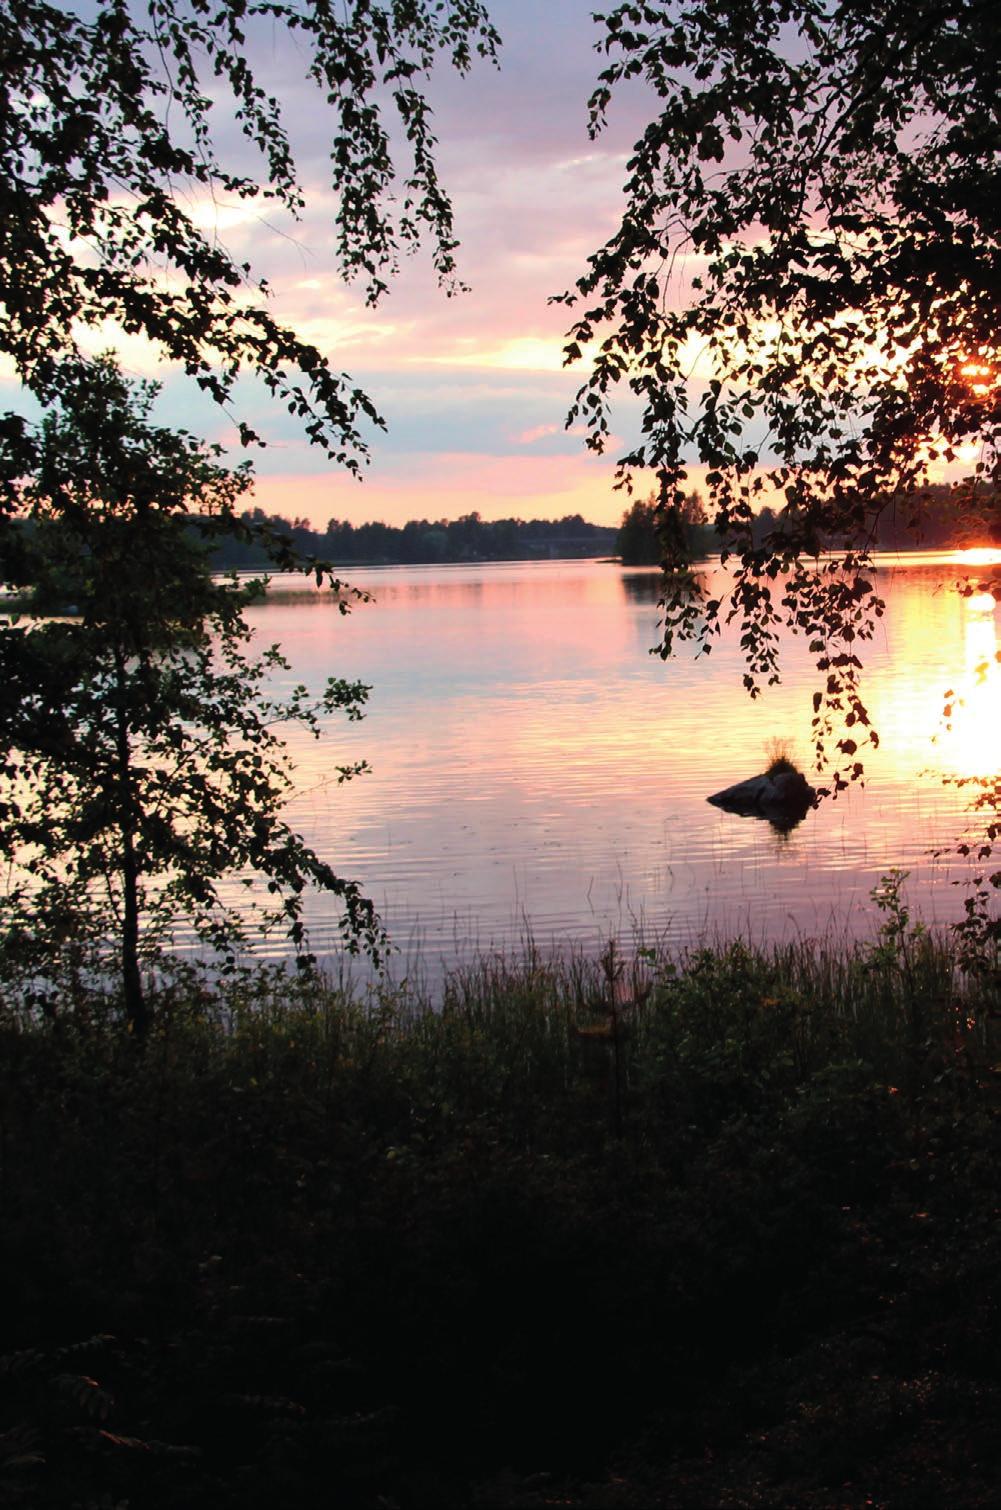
(971, 745)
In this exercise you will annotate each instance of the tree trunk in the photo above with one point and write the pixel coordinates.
(136, 1009)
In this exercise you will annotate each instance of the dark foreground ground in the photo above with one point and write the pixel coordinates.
(737, 1244)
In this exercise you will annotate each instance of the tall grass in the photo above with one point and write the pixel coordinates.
(306, 1246)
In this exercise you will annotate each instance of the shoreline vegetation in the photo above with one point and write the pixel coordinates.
(471, 540)
(718, 1230)
(421, 542)
(636, 541)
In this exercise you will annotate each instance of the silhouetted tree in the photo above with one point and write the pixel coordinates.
(650, 534)
(143, 763)
(814, 209)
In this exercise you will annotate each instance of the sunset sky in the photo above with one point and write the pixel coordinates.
(472, 388)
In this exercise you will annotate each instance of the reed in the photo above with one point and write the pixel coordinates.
(309, 1244)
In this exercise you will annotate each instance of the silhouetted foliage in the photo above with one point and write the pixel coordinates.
(140, 760)
(143, 764)
(304, 1251)
(109, 149)
(803, 294)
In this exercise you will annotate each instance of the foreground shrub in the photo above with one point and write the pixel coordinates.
(301, 1247)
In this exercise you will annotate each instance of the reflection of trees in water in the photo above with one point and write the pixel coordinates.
(651, 585)
(642, 586)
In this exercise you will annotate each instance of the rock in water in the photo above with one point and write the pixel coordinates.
(783, 797)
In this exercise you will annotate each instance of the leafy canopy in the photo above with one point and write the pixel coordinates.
(804, 293)
(108, 124)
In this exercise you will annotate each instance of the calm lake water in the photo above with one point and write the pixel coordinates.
(537, 773)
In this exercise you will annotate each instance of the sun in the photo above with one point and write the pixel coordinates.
(980, 377)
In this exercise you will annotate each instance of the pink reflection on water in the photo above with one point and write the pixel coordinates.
(535, 768)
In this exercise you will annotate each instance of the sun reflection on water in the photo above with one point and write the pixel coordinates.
(978, 555)
(972, 737)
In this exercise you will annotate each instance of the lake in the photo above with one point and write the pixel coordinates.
(536, 773)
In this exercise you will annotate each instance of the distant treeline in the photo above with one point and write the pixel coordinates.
(422, 541)
(940, 518)
(640, 542)
(945, 519)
